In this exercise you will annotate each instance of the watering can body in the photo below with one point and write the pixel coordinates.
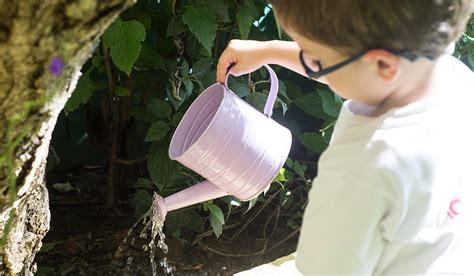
(238, 149)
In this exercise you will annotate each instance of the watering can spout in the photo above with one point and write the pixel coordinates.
(198, 193)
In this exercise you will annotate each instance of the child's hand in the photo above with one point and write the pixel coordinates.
(241, 57)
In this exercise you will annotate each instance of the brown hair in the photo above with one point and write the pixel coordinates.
(425, 27)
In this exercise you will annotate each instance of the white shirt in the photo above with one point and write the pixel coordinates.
(393, 193)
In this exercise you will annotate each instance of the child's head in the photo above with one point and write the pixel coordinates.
(334, 30)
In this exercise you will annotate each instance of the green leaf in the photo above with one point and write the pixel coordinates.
(141, 113)
(201, 67)
(246, 15)
(202, 22)
(144, 18)
(184, 69)
(257, 100)
(280, 177)
(300, 168)
(252, 203)
(282, 90)
(196, 224)
(189, 86)
(329, 103)
(216, 211)
(143, 201)
(177, 220)
(216, 226)
(121, 91)
(314, 142)
(239, 88)
(84, 89)
(124, 30)
(218, 6)
(47, 246)
(292, 90)
(160, 166)
(160, 108)
(175, 27)
(150, 59)
(176, 118)
(311, 103)
(289, 162)
(208, 78)
(144, 183)
(124, 39)
(157, 131)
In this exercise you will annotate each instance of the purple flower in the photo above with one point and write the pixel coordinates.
(56, 66)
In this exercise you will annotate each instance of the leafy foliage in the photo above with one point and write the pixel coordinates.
(124, 40)
(203, 24)
(164, 53)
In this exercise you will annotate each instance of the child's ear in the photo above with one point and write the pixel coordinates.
(388, 64)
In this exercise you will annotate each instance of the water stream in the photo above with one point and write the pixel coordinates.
(153, 223)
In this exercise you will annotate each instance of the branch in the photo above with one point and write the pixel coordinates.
(131, 162)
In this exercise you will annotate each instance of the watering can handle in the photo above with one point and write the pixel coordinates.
(268, 110)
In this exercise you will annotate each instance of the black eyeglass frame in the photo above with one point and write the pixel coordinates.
(321, 72)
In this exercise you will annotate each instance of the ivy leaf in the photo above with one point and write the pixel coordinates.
(121, 91)
(124, 39)
(160, 166)
(84, 89)
(157, 131)
(202, 22)
(246, 15)
(311, 103)
(314, 142)
(160, 108)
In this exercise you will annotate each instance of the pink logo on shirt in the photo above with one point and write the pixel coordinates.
(454, 208)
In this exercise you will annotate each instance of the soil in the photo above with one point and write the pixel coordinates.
(84, 238)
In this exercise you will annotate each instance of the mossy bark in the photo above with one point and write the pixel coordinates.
(43, 45)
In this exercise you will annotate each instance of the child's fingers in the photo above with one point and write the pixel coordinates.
(223, 65)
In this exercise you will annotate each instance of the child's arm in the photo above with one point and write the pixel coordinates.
(249, 55)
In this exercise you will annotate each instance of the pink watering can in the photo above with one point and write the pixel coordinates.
(235, 147)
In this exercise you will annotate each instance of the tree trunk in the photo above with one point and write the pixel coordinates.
(43, 45)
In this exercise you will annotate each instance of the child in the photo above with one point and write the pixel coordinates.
(394, 187)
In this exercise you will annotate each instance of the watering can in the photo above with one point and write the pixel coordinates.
(234, 146)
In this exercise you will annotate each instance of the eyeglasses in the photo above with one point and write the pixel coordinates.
(314, 68)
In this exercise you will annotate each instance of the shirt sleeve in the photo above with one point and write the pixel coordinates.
(341, 232)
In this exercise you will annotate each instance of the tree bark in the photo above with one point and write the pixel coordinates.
(43, 45)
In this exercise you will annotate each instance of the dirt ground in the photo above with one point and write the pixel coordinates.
(84, 239)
